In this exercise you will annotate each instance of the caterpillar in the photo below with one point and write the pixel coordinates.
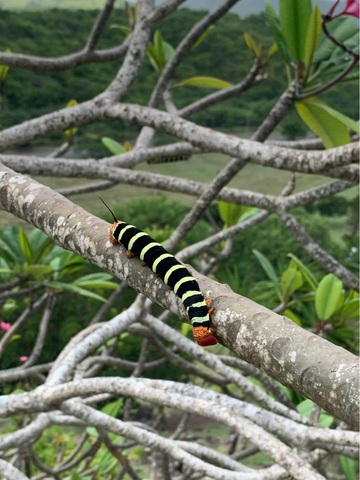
(171, 271)
(169, 158)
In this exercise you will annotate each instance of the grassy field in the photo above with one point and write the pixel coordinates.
(201, 168)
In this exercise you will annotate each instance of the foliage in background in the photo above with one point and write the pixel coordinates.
(42, 92)
(312, 61)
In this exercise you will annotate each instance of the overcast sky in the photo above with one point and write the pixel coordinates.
(248, 7)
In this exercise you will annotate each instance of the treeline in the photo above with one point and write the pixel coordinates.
(53, 33)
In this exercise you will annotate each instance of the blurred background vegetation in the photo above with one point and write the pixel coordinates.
(26, 94)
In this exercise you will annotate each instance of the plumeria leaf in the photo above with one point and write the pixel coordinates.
(4, 69)
(293, 316)
(306, 408)
(306, 273)
(273, 50)
(123, 29)
(230, 213)
(349, 467)
(294, 20)
(74, 289)
(327, 296)
(291, 280)
(38, 271)
(328, 58)
(312, 38)
(255, 49)
(202, 37)
(42, 245)
(158, 47)
(323, 122)
(207, 82)
(95, 281)
(70, 132)
(25, 246)
(348, 122)
(277, 32)
(268, 269)
(159, 52)
(350, 310)
(115, 147)
(113, 408)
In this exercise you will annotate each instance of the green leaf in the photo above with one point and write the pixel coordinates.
(293, 316)
(348, 122)
(206, 82)
(350, 310)
(113, 408)
(202, 37)
(294, 20)
(268, 269)
(74, 289)
(95, 281)
(25, 246)
(115, 147)
(346, 31)
(291, 280)
(254, 48)
(332, 131)
(123, 29)
(168, 51)
(159, 52)
(306, 273)
(152, 55)
(70, 132)
(92, 432)
(76, 476)
(329, 60)
(38, 271)
(306, 407)
(158, 46)
(327, 296)
(277, 32)
(4, 69)
(273, 50)
(42, 246)
(230, 213)
(349, 467)
(185, 328)
(312, 38)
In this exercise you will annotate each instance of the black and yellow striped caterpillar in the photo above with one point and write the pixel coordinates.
(169, 158)
(171, 271)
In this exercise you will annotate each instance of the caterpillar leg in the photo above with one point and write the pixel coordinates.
(208, 303)
(130, 254)
(112, 239)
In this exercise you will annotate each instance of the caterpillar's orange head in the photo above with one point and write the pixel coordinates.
(113, 227)
(112, 237)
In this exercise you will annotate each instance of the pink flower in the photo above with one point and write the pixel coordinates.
(23, 358)
(4, 326)
(352, 8)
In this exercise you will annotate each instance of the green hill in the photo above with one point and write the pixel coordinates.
(27, 94)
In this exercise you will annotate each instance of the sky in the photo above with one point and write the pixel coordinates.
(249, 7)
